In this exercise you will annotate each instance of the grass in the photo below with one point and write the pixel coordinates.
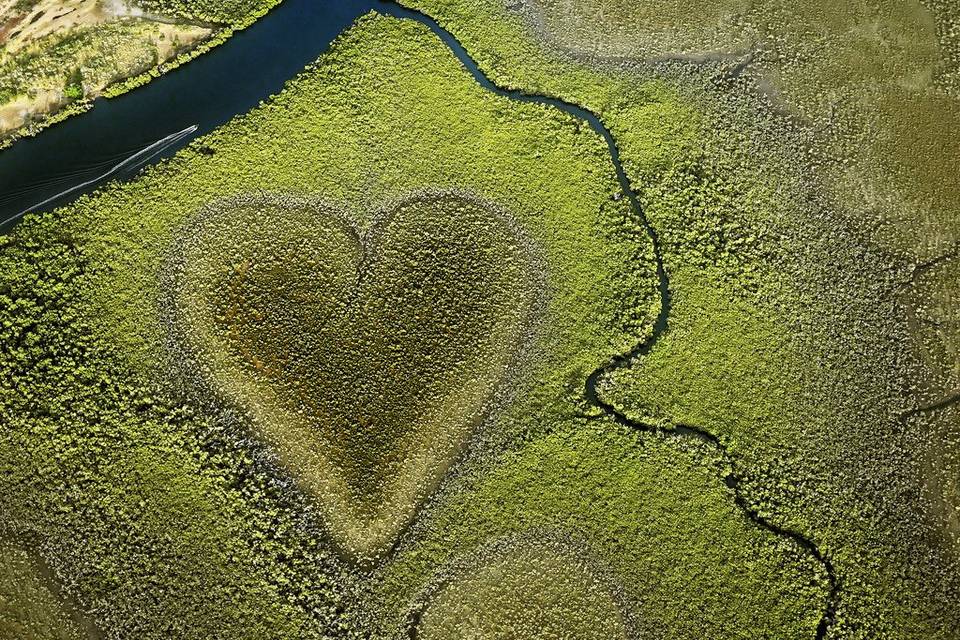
(218, 11)
(935, 319)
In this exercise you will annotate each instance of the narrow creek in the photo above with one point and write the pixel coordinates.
(591, 390)
(112, 140)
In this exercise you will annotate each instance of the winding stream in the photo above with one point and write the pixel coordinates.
(591, 391)
(205, 94)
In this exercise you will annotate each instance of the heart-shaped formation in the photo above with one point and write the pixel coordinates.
(541, 586)
(364, 362)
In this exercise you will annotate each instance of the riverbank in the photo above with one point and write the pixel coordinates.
(271, 51)
(58, 56)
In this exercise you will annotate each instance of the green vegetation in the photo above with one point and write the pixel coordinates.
(625, 28)
(218, 11)
(535, 587)
(198, 360)
(789, 335)
(173, 520)
(877, 80)
(366, 363)
(74, 89)
(28, 606)
(22, 6)
(934, 315)
(653, 517)
(125, 502)
(942, 468)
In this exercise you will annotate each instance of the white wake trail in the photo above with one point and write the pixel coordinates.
(140, 157)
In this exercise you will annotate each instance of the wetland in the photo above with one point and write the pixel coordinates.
(485, 317)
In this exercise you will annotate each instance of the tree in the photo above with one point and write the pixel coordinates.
(73, 90)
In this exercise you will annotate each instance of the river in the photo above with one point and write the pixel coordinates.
(207, 92)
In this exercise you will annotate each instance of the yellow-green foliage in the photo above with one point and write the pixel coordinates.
(653, 515)
(222, 11)
(942, 469)
(934, 314)
(532, 587)
(877, 77)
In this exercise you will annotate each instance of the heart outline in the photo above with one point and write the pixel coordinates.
(198, 381)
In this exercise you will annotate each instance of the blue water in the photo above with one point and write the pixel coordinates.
(207, 92)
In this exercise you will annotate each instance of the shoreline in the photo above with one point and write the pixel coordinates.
(61, 111)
